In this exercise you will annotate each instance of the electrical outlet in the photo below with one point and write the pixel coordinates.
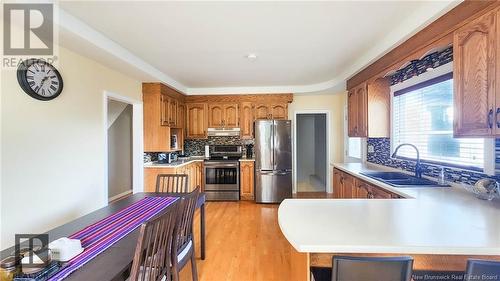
(371, 149)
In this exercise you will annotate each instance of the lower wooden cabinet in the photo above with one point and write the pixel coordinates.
(247, 172)
(346, 186)
(194, 170)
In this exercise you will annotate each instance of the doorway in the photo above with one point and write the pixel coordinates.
(120, 179)
(311, 150)
(123, 146)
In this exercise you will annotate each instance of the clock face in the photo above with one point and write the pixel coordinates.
(39, 79)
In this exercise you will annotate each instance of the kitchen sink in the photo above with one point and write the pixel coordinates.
(401, 180)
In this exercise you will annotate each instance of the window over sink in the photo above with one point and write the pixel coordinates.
(422, 114)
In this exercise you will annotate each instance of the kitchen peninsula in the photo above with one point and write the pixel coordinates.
(439, 227)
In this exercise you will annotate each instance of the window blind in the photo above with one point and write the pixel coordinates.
(423, 116)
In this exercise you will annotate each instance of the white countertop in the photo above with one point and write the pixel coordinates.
(247, 159)
(430, 221)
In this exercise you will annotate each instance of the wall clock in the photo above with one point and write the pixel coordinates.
(39, 79)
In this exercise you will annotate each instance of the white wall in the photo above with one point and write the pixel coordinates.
(333, 102)
(53, 153)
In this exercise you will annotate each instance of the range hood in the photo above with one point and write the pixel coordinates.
(223, 132)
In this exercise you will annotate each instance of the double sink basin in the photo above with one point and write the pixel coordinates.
(401, 180)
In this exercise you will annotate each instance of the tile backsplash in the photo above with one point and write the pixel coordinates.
(379, 152)
(196, 147)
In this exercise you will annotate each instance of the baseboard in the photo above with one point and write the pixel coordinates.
(119, 196)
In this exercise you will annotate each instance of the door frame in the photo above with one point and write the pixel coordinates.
(137, 140)
(328, 147)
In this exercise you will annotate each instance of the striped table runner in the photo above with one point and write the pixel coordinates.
(98, 237)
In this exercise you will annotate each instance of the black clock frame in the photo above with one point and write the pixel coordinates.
(22, 71)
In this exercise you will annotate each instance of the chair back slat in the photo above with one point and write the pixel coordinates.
(172, 183)
(184, 229)
(152, 258)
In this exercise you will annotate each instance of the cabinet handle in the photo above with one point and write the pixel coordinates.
(496, 117)
(490, 118)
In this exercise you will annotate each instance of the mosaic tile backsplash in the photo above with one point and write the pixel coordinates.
(382, 155)
(197, 147)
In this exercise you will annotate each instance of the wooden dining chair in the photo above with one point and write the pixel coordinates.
(177, 184)
(152, 258)
(172, 183)
(183, 245)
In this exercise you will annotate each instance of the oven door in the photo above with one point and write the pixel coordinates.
(220, 176)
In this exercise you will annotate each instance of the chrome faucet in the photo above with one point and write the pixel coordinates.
(418, 166)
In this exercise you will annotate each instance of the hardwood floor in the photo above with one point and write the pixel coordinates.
(244, 242)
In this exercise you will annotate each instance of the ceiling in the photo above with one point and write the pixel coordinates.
(201, 47)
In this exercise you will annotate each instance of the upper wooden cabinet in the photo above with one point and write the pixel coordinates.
(215, 116)
(246, 120)
(197, 120)
(368, 107)
(379, 108)
(279, 111)
(271, 111)
(161, 115)
(357, 108)
(223, 116)
(476, 56)
(181, 116)
(262, 111)
(231, 116)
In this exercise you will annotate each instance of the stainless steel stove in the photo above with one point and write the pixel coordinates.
(222, 173)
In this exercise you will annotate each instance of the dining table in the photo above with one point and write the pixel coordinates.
(114, 263)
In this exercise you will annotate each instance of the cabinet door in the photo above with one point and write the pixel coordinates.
(357, 109)
(474, 66)
(337, 183)
(279, 111)
(352, 113)
(362, 120)
(247, 180)
(379, 193)
(181, 115)
(164, 110)
(172, 113)
(231, 118)
(199, 175)
(349, 186)
(246, 120)
(216, 116)
(262, 111)
(363, 190)
(196, 120)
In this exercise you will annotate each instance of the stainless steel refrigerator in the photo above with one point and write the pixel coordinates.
(273, 160)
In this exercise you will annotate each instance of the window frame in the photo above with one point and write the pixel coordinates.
(431, 77)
